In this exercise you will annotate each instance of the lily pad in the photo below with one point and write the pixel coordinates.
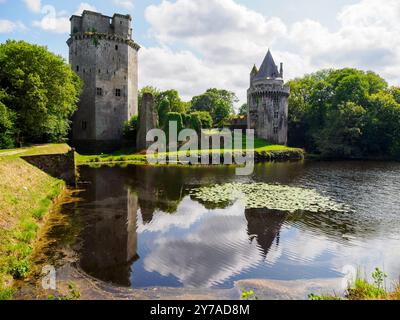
(269, 196)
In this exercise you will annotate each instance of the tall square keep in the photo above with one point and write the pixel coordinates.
(103, 54)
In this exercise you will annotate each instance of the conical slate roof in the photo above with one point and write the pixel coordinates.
(268, 68)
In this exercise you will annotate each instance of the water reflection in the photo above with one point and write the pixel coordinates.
(110, 239)
(144, 229)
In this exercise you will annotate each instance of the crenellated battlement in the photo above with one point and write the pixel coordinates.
(91, 21)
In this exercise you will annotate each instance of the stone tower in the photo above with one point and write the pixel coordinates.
(103, 54)
(267, 100)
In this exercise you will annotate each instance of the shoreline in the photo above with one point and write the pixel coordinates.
(141, 159)
(28, 198)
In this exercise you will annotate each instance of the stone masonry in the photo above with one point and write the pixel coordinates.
(147, 120)
(267, 100)
(103, 54)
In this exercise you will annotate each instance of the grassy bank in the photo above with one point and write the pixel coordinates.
(363, 289)
(261, 148)
(26, 195)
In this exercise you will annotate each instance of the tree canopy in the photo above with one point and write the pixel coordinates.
(219, 103)
(345, 113)
(39, 94)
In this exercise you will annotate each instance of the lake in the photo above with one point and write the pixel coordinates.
(141, 227)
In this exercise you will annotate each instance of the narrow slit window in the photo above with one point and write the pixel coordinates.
(116, 47)
(84, 125)
(77, 68)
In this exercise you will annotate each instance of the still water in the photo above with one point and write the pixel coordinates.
(141, 227)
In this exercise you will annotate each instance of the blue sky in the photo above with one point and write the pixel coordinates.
(191, 45)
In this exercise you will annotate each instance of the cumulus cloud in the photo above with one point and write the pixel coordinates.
(85, 6)
(221, 237)
(7, 26)
(58, 21)
(126, 4)
(222, 40)
(53, 21)
(34, 5)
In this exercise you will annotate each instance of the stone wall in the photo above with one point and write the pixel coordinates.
(107, 62)
(147, 121)
(60, 166)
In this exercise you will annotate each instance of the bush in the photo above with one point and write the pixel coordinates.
(19, 269)
(195, 122)
(6, 128)
(205, 118)
(131, 128)
(186, 119)
(171, 117)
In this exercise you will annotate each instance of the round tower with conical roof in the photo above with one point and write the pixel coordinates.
(267, 100)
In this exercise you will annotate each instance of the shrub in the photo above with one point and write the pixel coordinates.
(6, 127)
(171, 117)
(195, 122)
(19, 269)
(205, 118)
(131, 128)
(6, 293)
(186, 119)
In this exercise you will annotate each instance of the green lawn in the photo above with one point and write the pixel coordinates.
(34, 150)
(128, 155)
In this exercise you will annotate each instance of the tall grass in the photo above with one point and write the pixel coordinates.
(26, 195)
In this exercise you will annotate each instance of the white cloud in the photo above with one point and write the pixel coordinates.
(167, 69)
(53, 21)
(7, 26)
(127, 4)
(222, 237)
(85, 6)
(58, 21)
(222, 40)
(34, 5)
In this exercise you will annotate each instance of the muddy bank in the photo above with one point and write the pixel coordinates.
(93, 289)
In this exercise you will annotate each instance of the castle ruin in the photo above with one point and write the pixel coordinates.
(103, 54)
(267, 100)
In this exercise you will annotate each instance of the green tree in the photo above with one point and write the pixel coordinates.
(174, 101)
(6, 125)
(344, 113)
(341, 137)
(131, 128)
(171, 117)
(219, 103)
(165, 101)
(205, 118)
(195, 122)
(243, 110)
(41, 91)
(382, 132)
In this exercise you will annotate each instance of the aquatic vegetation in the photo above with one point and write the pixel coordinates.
(268, 196)
(362, 289)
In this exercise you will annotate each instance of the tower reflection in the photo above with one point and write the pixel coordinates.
(110, 241)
